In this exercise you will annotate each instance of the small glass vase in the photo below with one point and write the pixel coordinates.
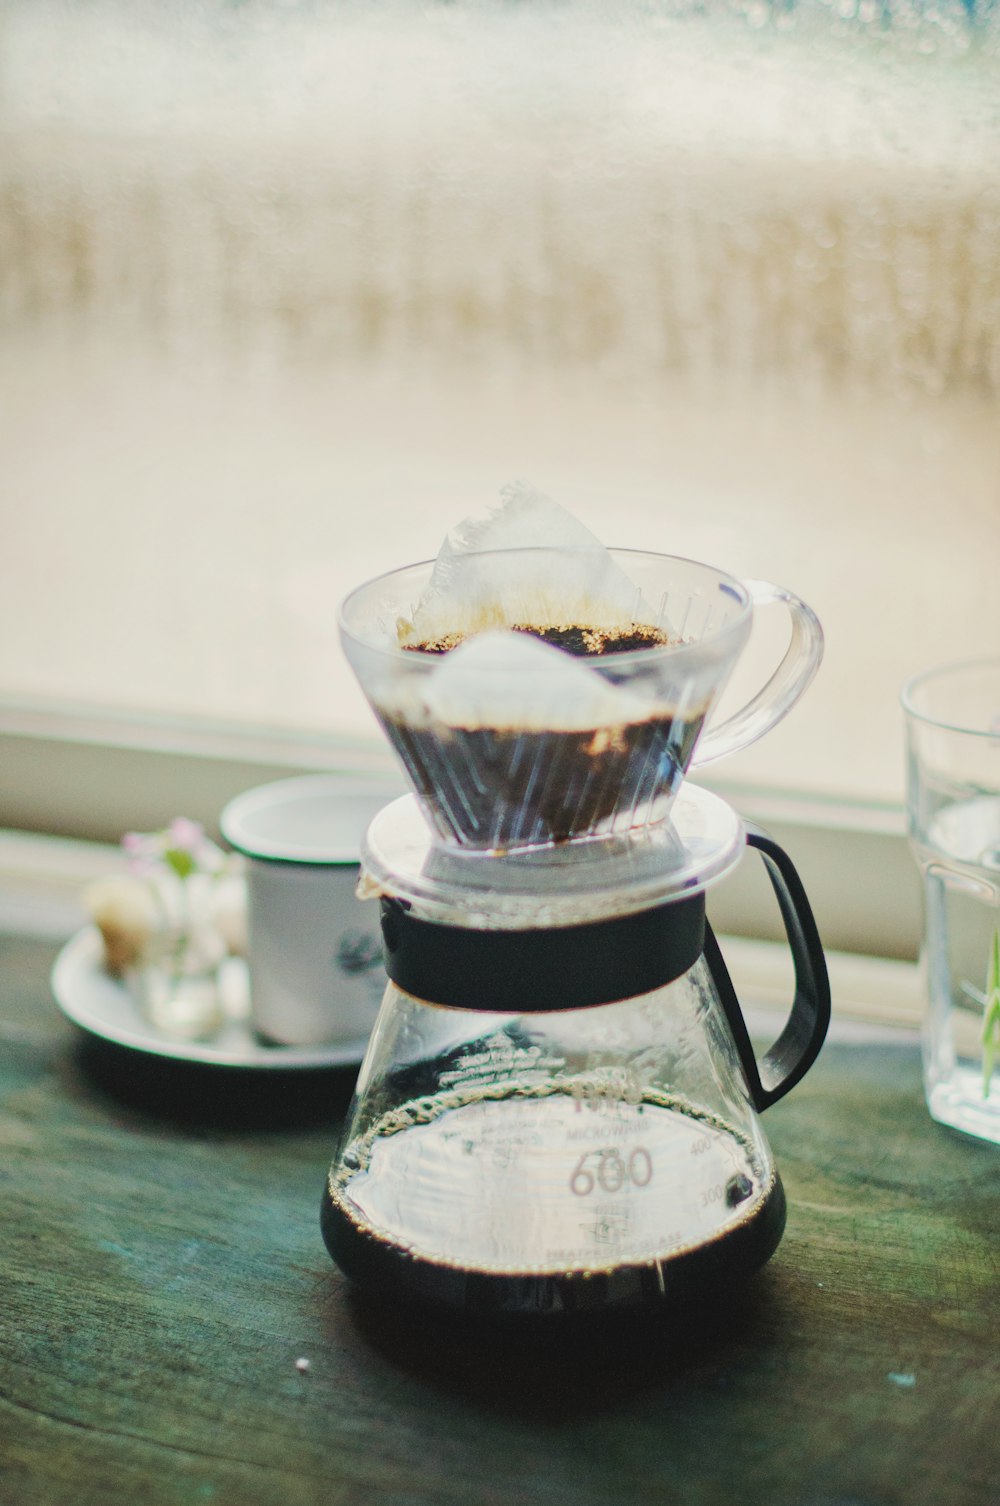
(179, 990)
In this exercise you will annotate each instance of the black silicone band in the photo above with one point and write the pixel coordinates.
(522, 972)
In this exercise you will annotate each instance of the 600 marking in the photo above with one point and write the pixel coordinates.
(611, 1171)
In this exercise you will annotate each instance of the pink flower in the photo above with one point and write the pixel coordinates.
(186, 835)
(182, 848)
(144, 852)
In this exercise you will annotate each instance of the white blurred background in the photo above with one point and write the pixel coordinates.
(287, 289)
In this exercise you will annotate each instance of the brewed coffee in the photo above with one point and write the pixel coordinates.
(504, 1201)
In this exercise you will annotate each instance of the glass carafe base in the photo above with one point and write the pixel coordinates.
(524, 1200)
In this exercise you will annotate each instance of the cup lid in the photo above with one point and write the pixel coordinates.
(573, 883)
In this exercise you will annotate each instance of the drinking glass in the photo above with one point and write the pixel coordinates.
(953, 806)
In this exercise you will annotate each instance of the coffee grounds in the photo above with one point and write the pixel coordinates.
(582, 640)
(499, 787)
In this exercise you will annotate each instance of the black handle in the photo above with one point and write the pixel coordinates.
(798, 1045)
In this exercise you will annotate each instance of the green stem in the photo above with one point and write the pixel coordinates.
(991, 1013)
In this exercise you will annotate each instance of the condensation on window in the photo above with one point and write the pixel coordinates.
(287, 289)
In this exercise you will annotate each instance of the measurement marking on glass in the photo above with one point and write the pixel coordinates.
(612, 1171)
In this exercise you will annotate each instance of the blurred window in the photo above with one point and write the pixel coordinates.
(287, 289)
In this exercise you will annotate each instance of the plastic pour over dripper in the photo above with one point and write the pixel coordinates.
(524, 752)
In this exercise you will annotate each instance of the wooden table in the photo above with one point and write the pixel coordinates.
(162, 1273)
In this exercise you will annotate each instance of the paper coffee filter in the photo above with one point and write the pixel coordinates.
(472, 590)
(512, 681)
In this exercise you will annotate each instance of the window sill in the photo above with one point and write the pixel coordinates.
(41, 879)
(90, 777)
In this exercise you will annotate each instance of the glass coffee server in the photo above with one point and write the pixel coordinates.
(558, 1112)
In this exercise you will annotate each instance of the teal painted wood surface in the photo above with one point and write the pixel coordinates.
(162, 1272)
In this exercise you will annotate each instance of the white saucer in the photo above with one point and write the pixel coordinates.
(105, 1007)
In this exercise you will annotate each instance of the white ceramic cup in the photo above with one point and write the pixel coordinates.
(314, 949)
